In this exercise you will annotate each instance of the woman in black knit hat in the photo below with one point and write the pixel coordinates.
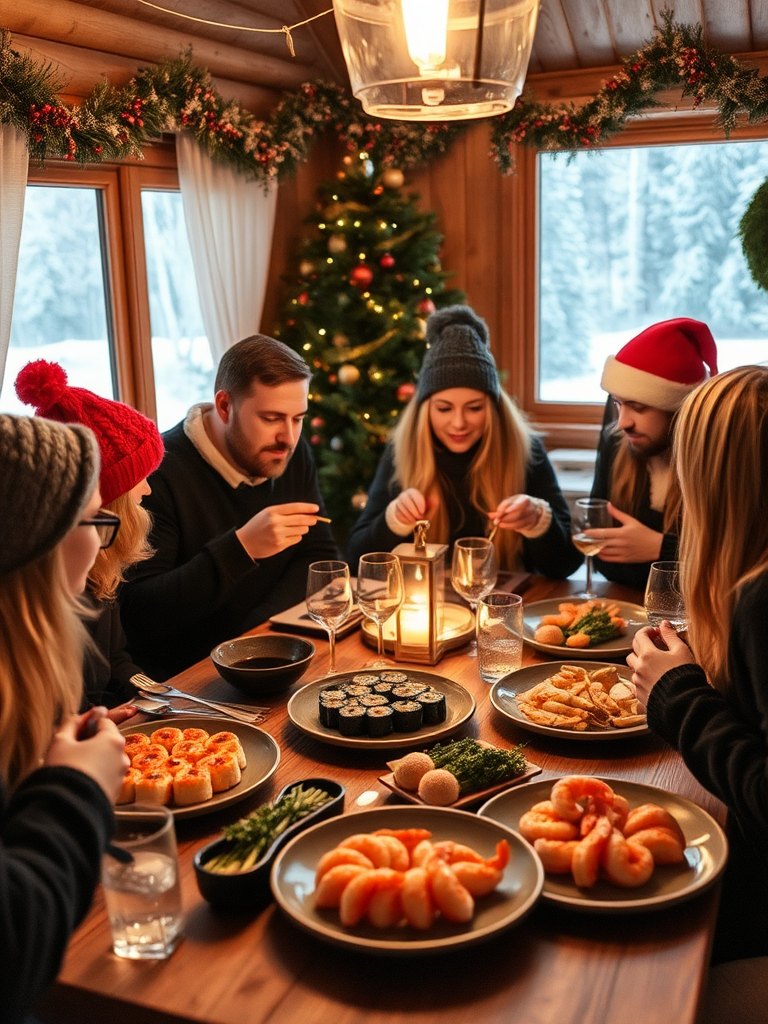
(463, 457)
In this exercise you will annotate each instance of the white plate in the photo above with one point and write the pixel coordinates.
(620, 647)
(262, 755)
(504, 691)
(303, 712)
(706, 852)
(293, 881)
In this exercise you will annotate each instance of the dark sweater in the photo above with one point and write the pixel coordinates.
(201, 587)
(723, 740)
(108, 668)
(552, 554)
(53, 831)
(631, 574)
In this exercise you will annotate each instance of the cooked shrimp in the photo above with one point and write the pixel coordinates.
(452, 852)
(563, 620)
(417, 899)
(651, 816)
(627, 864)
(585, 864)
(662, 843)
(399, 858)
(452, 899)
(543, 822)
(386, 907)
(356, 897)
(619, 811)
(421, 853)
(556, 855)
(569, 797)
(578, 640)
(333, 883)
(409, 837)
(373, 847)
(341, 855)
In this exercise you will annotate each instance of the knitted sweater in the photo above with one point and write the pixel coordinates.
(631, 574)
(201, 587)
(723, 740)
(551, 554)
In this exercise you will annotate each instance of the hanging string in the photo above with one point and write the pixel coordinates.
(285, 30)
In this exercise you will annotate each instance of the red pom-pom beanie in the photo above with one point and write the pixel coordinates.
(662, 364)
(129, 443)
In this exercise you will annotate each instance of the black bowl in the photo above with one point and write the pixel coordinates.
(250, 889)
(261, 665)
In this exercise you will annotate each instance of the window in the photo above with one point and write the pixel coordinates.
(631, 236)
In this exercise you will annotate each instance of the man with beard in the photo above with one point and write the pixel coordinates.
(647, 380)
(235, 507)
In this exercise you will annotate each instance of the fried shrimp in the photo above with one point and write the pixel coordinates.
(543, 822)
(481, 878)
(662, 843)
(570, 796)
(626, 863)
(451, 898)
(652, 816)
(452, 852)
(399, 858)
(588, 853)
(329, 891)
(357, 896)
(556, 855)
(418, 902)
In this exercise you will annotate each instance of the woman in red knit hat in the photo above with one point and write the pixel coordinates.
(131, 448)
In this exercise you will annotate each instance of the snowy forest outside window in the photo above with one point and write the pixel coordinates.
(628, 237)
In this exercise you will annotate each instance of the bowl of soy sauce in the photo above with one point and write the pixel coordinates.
(262, 665)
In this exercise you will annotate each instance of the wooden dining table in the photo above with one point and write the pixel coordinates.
(556, 965)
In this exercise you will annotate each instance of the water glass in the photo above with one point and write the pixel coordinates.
(141, 886)
(663, 598)
(499, 635)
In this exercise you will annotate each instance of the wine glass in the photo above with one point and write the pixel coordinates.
(663, 598)
(329, 599)
(474, 572)
(380, 592)
(589, 514)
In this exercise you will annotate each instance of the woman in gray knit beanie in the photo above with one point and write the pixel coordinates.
(463, 457)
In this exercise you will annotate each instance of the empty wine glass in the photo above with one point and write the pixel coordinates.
(589, 514)
(663, 597)
(473, 573)
(380, 592)
(329, 599)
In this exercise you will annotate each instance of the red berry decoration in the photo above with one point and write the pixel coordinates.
(405, 392)
(361, 276)
(303, 299)
(315, 439)
(387, 261)
(425, 307)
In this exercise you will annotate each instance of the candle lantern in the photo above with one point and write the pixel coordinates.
(419, 621)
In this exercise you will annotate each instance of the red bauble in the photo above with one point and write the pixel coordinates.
(425, 307)
(317, 423)
(387, 261)
(361, 276)
(303, 299)
(315, 439)
(405, 392)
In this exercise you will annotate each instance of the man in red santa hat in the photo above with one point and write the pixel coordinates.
(647, 380)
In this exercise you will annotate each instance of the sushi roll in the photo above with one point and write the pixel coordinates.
(150, 757)
(167, 737)
(189, 750)
(379, 721)
(394, 677)
(228, 741)
(154, 787)
(223, 769)
(192, 786)
(197, 735)
(384, 689)
(329, 711)
(135, 742)
(366, 678)
(409, 715)
(434, 706)
(352, 720)
(408, 691)
(358, 690)
(374, 700)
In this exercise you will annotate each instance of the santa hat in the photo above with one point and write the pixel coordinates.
(662, 364)
(130, 444)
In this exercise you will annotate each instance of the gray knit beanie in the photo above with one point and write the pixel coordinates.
(459, 354)
(48, 472)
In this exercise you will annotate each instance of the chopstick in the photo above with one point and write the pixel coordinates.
(492, 534)
(322, 519)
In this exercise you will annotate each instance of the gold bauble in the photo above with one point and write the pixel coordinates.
(393, 177)
(348, 374)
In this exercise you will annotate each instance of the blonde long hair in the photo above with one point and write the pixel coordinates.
(131, 546)
(42, 640)
(498, 469)
(629, 479)
(721, 452)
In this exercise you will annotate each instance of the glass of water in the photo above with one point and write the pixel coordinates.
(141, 884)
(663, 597)
(499, 635)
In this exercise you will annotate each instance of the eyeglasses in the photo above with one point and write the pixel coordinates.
(107, 525)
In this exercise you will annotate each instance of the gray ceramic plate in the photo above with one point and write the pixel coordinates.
(503, 695)
(618, 648)
(293, 881)
(262, 755)
(706, 853)
(303, 712)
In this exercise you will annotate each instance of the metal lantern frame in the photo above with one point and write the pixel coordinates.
(418, 622)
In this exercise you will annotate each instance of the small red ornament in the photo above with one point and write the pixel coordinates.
(332, 378)
(425, 307)
(317, 423)
(387, 261)
(361, 276)
(405, 392)
(315, 439)
(290, 323)
(378, 190)
(303, 299)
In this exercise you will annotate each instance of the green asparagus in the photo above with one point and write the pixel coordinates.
(596, 624)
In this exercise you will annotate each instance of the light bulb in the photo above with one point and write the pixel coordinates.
(426, 31)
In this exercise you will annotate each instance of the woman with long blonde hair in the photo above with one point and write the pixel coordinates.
(463, 457)
(57, 786)
(710, 699)
(131, 448)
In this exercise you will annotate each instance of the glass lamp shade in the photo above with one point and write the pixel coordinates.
(419, 620)
(436, 60)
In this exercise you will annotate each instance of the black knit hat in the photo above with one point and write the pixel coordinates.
(48, 472)
(459, 354)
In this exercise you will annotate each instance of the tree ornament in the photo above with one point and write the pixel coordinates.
(347, 160)
(366, 166)
(303, 299)
(359, 501)
(337, 244)
(387, 261)
(425, 307)
(315, 439)
(378, 190)
(406, 391)
(306, 267)
(332, 212)
(340, 341)
(393, 177)
(420, 328)
(337, 444)
(348, 374)
(317, 423)
(342, 300)
(362, 276)
(332, 378)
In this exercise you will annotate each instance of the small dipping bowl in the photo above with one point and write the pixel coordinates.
(250, 889)
(262, 665)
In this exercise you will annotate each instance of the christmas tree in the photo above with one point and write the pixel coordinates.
(368, 277)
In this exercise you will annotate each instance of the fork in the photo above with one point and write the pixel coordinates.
(147, 685)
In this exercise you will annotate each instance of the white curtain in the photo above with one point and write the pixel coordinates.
(14, 161)
(229, 222)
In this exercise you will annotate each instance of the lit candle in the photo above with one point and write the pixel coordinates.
(414, 623)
